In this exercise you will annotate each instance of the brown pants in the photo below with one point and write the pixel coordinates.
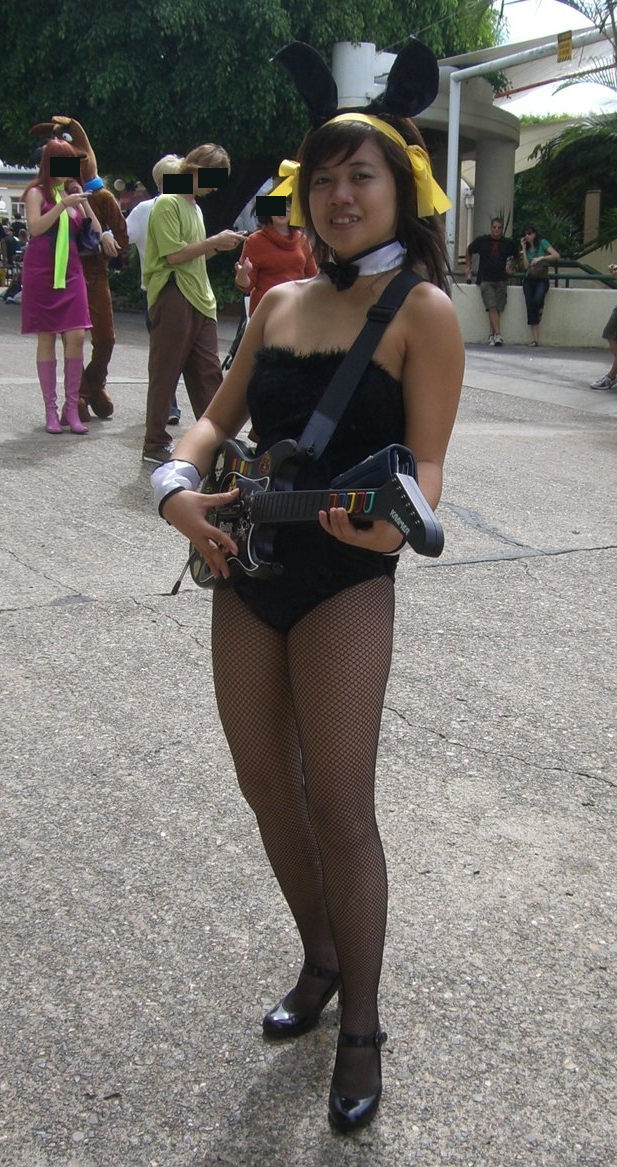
(182, 341)
(102, 336)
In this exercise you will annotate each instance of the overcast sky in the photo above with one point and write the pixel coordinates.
(532, 18)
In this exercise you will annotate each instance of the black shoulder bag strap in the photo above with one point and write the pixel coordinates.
(325, 418)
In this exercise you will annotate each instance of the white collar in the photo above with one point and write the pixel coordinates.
(376, 259)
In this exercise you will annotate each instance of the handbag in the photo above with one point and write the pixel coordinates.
(88, 240)
(538, 271)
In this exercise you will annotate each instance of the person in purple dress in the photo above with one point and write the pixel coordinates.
(54, 296)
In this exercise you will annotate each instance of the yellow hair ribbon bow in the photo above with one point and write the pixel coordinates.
(290, 172)
(431, 198)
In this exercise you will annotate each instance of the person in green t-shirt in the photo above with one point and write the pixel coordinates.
(181, 303)
(536, 254)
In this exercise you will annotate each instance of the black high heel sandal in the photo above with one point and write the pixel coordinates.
(349, 1114)
(282, 1022)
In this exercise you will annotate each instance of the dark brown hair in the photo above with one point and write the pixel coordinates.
(423, 238)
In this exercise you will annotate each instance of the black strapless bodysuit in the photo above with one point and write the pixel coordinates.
(282, 394)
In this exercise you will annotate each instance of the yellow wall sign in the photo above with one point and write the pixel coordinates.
(564, 46)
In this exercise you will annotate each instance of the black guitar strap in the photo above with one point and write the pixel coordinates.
(325, 418)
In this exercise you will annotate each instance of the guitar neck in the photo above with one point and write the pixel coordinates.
(303, 506)
(399, 500)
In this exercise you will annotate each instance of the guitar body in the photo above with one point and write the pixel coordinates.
(237, 466)
(383, 486)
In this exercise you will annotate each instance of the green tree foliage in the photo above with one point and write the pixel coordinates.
(155, 76)
(534, 205)
(576, 161)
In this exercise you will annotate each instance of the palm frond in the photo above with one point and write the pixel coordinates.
(601, 71)
(607, 234)
(598, 12)
(594, 129)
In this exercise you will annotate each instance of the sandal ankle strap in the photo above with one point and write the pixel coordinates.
(351, 1039)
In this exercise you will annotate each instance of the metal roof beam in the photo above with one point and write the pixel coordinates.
(457, 76)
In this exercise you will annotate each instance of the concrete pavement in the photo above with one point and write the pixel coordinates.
(142, 933)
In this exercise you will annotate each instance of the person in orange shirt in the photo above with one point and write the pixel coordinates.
(273, 255)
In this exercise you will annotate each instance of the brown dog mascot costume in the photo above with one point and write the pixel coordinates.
(114, 241)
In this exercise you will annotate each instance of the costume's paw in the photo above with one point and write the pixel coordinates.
(101, 403)
(84, 412)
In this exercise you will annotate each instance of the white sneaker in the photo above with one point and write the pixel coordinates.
(491, 339)
(603, 383)
(498, 338)
(160, 456)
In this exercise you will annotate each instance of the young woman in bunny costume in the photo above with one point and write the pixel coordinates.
(304, 738)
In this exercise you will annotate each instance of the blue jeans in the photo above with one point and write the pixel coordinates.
(534, 292)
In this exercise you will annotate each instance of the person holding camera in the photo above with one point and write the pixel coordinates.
(535, 254)
(137, 228)
(181, 303)
(54, 295)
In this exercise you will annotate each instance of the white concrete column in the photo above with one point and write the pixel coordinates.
(494, 190)
(353, 69)
(591, 222)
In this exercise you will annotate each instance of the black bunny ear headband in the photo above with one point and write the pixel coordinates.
(412, 86)
(413, 82)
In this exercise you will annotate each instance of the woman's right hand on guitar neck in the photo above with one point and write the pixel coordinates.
(188, 510)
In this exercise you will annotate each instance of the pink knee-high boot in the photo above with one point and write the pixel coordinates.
(47, 379)
(73, 368)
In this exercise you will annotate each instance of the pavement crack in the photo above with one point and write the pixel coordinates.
(515, 556)
(478, 523)
(174, 620)
(52, 579)
(475, 520)
(488, 752)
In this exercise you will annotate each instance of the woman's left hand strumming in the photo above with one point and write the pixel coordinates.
(381, 536)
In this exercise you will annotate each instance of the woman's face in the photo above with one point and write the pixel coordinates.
(282, 220)
(354, 203)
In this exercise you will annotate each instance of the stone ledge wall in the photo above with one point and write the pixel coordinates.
(573, 317)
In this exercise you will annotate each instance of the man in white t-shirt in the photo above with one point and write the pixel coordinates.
(137, 226)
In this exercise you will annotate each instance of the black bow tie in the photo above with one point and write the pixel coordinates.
(343, 275)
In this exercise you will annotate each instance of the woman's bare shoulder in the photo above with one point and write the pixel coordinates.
(283, 293)
(292, 296)
(427, 301)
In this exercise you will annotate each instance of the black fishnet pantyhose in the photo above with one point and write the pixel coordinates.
(302, 715)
